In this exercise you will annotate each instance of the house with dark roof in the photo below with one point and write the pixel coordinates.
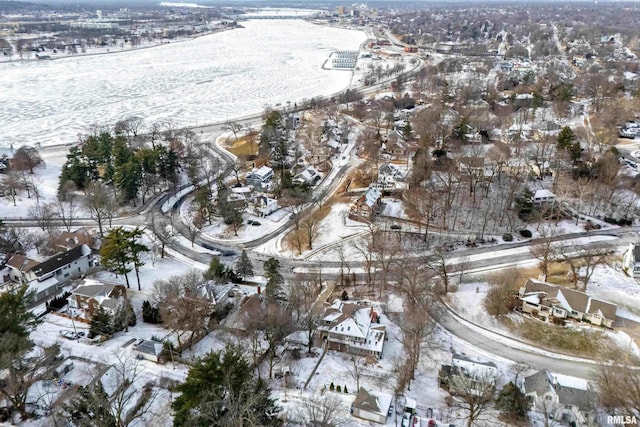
(366, 206)
(352, 328)
(67, 240)
(44, 278)
(149, 350)
(549, 301)
(566, 399)
(371, 406)
(93, 294)
(66, 265)
(260, 178)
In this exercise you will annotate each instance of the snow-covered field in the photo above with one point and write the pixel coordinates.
(209, 79)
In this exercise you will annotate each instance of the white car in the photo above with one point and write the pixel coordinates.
(406, 418)
(71, 335)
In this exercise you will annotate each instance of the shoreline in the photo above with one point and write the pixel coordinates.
(81, 55)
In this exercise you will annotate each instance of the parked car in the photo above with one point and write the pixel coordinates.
(406, 417)
(71, 335)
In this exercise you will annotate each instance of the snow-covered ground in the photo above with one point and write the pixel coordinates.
(205, 80)
(607, 284)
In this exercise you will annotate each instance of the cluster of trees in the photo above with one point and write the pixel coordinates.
(20, 175)
(220, 390)
(113, 159)
(121, 250)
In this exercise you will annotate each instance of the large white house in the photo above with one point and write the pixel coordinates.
(352, 328)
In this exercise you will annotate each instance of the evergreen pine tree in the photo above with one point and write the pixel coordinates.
(274, 278)
(244, 268)
(220, 390)
(512, 403)
(101, 323)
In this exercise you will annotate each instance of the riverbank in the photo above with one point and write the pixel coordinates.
(100, 50)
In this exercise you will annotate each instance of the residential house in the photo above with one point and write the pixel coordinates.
(308, 176)
(468, 375)
(44, 277)
(260, 178)
(66, 265)
(93, 294)
(388, 177)
(67, 240)
(563, 398)
(149, 350)
(396, 148)
(631, 261)
(366, 206)
(352, 328)
(543, 197)
(550, 301)
(264, 206)
(371, 406)
(20, 268)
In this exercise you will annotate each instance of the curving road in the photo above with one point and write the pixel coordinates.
(492, 257)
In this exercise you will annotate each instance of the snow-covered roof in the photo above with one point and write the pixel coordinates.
(354, 321)
(543, 194)
(474, 367)
(37, 286)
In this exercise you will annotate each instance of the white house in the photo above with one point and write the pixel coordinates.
(44, 277)
(474, 367)
(260, 178)
(543, 197)
(264, 206)
(371, 406)
(566, 399)
(352, 328)
(309, 176)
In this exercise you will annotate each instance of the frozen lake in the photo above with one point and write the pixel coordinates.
(210, 79)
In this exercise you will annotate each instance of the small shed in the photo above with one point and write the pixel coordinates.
(371, 406)
(149, 350)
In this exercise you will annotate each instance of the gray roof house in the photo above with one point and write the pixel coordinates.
(564, 398)
(149, 350)
(371, 406)
(549, 301)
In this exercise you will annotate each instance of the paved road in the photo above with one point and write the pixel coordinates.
(510, 349)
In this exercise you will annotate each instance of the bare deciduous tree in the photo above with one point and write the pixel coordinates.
(123, 398)
(500, 296)
(321, 411)
(44, 215)
(100, 203)
(183, 307)
(11, 186)
(582, 263)
(618, 385)
(474, 394)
